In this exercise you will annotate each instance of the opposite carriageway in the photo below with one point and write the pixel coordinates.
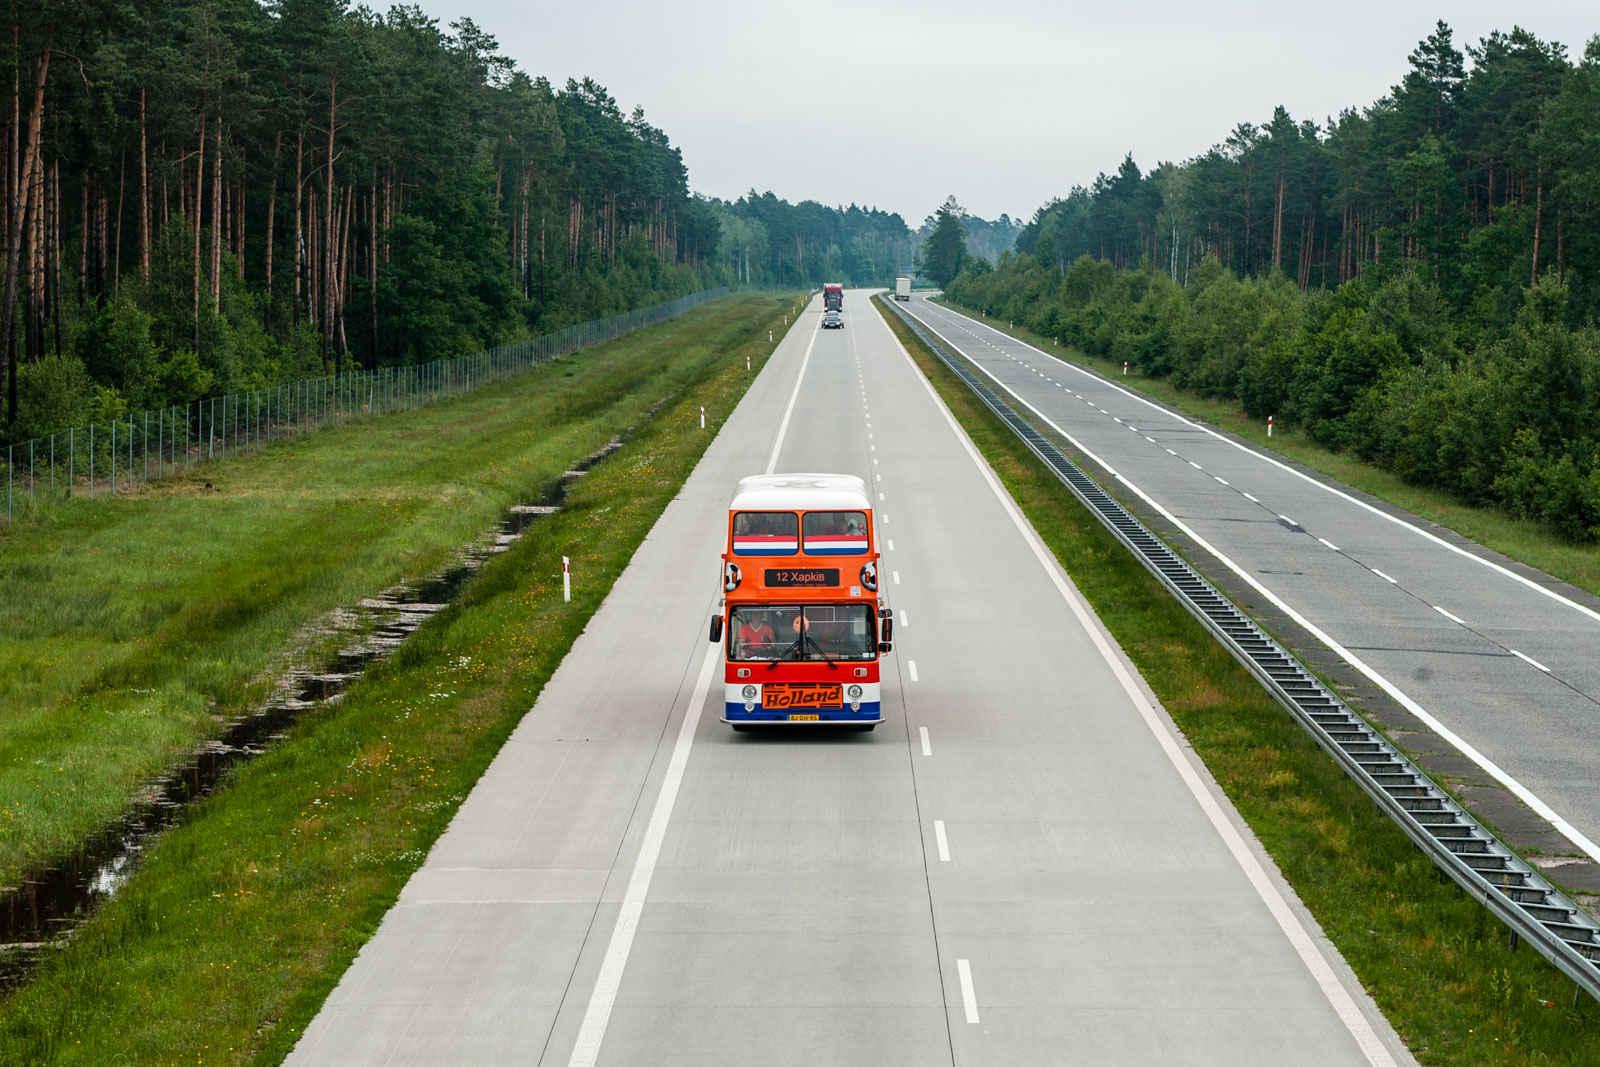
(1514, 891)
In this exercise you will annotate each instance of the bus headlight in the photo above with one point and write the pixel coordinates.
(750, 692)
(854, 692)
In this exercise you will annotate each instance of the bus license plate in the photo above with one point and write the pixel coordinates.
(805, 718)
(800, 695)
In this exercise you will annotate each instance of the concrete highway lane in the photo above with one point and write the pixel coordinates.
(1021, 865)
(1494, 658)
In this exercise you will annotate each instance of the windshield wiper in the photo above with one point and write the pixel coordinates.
(832, 666)
(785, 653)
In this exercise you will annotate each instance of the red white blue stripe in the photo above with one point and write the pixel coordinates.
(765, 545)
(837, 545)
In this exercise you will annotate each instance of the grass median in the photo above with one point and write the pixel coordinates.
(1437, 963)
(223, 945)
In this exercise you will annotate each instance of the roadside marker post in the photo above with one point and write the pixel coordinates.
(1124, 368)
(1269, 425)
(747, 364)
(566, 579)
(769, 337)
(702, 417)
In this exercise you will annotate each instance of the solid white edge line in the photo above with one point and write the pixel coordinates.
(942, 840)
(1435, 538)
(593, 1031)
(783, 426)
(927, 745)
(1494, 770)
(969, 996)
(1530, 659)
(1300, 939)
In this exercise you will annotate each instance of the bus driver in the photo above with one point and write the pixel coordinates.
(756, 639)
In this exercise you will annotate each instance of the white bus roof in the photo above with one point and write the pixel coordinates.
(803, 492)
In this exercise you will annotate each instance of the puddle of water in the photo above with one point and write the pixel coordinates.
(40, 915)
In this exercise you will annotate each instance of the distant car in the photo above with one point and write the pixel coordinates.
(832, 320)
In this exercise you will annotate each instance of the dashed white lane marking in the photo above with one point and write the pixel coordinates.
(896, 577)
(1152, 440)
(1530, 659)
(880, 497)
(1252, 499)
(1195, 465)
(593, 1030)
(943, 841)
(927, 745)
(969, 996)
(1453, 618)
(878, 476)
(1288, 520)
(874, 459)
(911, 668)
(891, 544)
(1170, 452)
(1224, 481)
(903, 617)
(783, 426)
(1305, 947)
(1384, 576)
(1329, 543)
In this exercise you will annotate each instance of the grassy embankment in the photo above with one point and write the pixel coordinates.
(223, 945)
(1517, 538)
(1435, 961)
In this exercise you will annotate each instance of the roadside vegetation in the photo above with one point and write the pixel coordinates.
(133, 625)
(1437, 963)
(239, 921)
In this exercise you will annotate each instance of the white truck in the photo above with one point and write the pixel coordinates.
(902, 288)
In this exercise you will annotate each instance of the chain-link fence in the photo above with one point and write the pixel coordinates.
(108, 457)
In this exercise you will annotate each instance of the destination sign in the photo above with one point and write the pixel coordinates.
(801, 577)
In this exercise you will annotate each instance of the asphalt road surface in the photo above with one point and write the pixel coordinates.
(1493, 657)
(1022, 865)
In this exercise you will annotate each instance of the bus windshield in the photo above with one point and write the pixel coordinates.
(793, 632)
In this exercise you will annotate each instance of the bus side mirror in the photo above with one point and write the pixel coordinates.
(716, 628)
(888, 629)
(884, 646)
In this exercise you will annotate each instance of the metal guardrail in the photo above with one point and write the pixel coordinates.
(1534, 910)
(116, 455)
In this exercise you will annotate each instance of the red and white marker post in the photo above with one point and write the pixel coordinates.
(566, 579)
(1269, 425)
(702, 417)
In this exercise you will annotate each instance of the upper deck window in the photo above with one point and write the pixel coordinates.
(836, 533)
(766, 533)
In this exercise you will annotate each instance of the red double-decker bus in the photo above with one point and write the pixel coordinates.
(833, 297)
(802, 623)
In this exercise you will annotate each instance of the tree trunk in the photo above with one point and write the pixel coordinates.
(299, 197)
(194, 219)
(144, 196)
(272, 208)
(8, 314)
(216, 222)
(1538, 224)
(330, 229)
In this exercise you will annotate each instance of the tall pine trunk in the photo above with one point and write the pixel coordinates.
(18, 218)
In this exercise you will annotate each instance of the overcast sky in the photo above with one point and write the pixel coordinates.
(1004, 103)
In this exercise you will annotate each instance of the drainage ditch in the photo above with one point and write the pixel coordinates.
(40, 915)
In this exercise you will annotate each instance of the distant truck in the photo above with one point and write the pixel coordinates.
(902, 288)
(833, 297)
